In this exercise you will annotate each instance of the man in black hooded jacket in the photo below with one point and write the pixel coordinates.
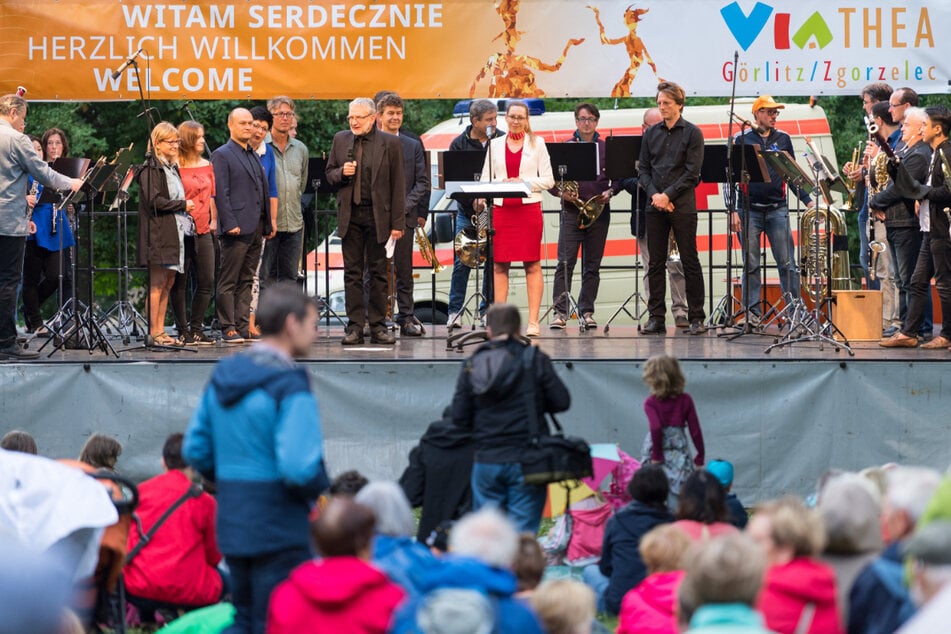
(491, 402)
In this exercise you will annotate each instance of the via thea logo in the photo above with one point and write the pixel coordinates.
(746, 29)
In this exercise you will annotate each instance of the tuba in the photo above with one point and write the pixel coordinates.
(426, 249)
(814, 252)
(588, 210)
(470, 244)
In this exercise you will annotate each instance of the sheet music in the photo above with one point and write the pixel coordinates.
(496, 188)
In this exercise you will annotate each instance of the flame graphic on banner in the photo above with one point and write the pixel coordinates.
(634, 45)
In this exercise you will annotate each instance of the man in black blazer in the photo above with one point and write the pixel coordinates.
(241, 196)
(416, 175)
(371, 209)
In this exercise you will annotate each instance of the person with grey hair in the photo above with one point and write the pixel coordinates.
(473, 590)
(18, 161)
(405, 561)
(371, 210)
(850, 508)
(282, 253)
(930, 550)
(721, 581)
(880, 599)
(482, 128)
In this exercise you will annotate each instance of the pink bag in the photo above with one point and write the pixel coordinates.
(620, 477)
(587, 533)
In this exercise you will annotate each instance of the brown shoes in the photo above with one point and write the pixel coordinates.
(899, 341)
(938, 343)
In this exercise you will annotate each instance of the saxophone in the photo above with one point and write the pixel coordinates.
(588, 210)
(426, 250)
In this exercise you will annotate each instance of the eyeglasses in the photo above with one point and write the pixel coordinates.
(516, 117)
(359, 117)
(772, 112)
(283, 115)
(894, 105)
(586, 119)
(171, 141)
(259, 127)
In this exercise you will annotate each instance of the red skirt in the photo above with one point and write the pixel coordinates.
(518, 231)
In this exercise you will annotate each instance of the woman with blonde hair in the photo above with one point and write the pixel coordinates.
(198, 179)
(163, 223)
(520, 155)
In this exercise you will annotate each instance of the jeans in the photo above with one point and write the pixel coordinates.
(598, 582)
(460, 274)
(501, 485)
(591, 241)
(684, 225)
(200, 258)
(281, 262)
(775, 223)
(11, 267)
(904, 244)
(253, 579)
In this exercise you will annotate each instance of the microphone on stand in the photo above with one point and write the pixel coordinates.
(749, 124)
(490, 131)
(126, 64)
(185, 105)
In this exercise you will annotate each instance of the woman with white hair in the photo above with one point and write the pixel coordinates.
(405, 561)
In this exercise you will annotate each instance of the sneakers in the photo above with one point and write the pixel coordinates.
(532, 330)
(454, 321)
(891, 331)
(559, 322)
(589, 321)
(17, 352)
(231, 336)
(696, 327)
(198, 338)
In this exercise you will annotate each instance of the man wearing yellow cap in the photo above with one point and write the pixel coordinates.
(768, 211)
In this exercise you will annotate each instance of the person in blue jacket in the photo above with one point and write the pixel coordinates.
(257, 434)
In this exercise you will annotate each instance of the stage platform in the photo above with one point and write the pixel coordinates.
(782, 417)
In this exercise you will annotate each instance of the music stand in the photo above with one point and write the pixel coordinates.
(489, 191)
(620, 156)
(812, 325)
(733, 161)
(83, 328)
(317, 184)
(461, 166)
(574, 162)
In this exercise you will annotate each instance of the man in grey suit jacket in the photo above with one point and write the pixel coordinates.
(241, 196)
(371, 209)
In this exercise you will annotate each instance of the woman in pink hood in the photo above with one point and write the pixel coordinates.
(341, 592)
(649, 607)
(799, 592)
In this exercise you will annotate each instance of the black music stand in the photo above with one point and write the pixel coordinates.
(317, 184)
(489, 191)
(460, 166)
(735, 163)
(620, 155)
(573, 162)
(83, 328)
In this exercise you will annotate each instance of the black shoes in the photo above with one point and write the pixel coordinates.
(696, 327)
(654, 327)
(354, 337)
(410, 328)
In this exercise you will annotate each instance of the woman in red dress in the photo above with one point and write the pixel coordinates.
(519, 156)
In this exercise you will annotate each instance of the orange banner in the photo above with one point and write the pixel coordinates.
(320, 49)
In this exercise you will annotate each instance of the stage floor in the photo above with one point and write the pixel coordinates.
(621, 342)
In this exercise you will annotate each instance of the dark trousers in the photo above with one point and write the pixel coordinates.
(361, 252)
(41, 269)
(239, 260)
(253, 580)
(684, 225)
(591, 241)
(934, 260)
(403, 261)
(281, 262)
(11, 267)
(200, 260)
(904, 243)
